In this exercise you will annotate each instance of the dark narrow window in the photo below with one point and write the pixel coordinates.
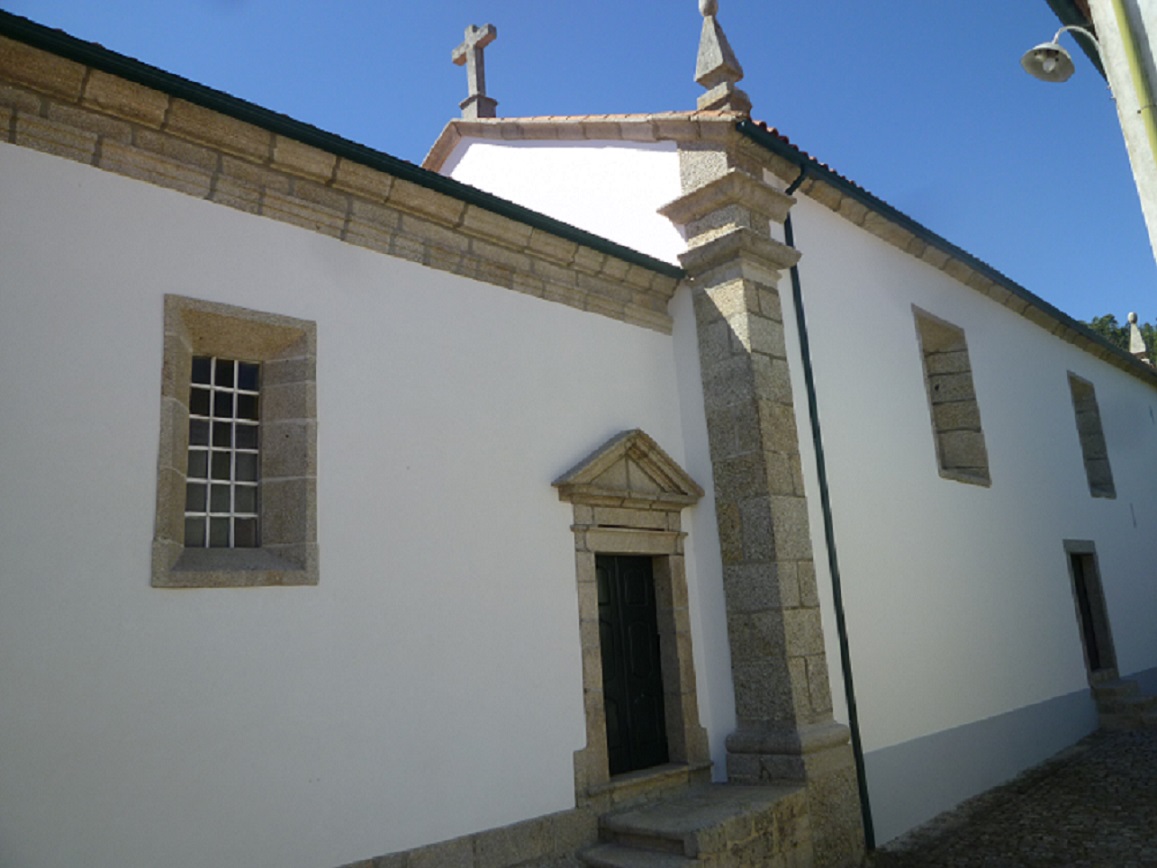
(1092, 613)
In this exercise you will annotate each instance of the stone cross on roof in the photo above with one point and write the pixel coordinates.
(717, 68)
(477, 104)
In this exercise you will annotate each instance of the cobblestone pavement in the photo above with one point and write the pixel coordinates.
(1095, 804)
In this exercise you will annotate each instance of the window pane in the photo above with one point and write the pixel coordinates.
(198, 432)
(194, 533)
(199, 402)
(245, 533)
(223, 405)
(195, 497)
(246, 466)
(246, 436)
(219, 498)
(247, 376)
(246, 406)
(201, 368)
(222, 453)
(221, 465)
(245, 499)
(198, 463)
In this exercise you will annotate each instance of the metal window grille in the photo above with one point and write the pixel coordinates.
(222, 486)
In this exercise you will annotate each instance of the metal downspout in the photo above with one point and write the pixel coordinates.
(829, 529)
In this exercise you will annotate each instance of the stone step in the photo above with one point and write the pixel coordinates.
(1113, 690)
(619, 856)
(713, 820)
(1122, 706)
(1121, 722)
(1104, 676)
(1136, 704)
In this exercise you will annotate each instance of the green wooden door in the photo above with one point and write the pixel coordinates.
(632, 674)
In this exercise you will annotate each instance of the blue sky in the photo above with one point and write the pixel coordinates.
(922, 102)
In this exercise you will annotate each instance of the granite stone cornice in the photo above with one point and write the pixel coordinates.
(695, 128)
(61, 107)
(734, 188)
(737, 246)
(852, 203)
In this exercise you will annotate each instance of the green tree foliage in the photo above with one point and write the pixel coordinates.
(1118, 334)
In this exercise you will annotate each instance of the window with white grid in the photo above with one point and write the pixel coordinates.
(221, 485)
(237, 456)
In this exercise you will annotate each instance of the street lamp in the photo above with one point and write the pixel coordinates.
(1128, 67)
(1049, 62)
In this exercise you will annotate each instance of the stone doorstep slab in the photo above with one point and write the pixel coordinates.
(1120, 721)
(1116, 689)
(1128, 704)
(618, 856)
(699, 822)
(1122, 706)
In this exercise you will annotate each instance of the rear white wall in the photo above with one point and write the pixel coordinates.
(430, 686)
(958, 597)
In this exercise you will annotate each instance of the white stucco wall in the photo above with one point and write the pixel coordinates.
(958, 597)
(614, 188)
(611, 188)
(430, 686)
(965, 648)
(706, 598)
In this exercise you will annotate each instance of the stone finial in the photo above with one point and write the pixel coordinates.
(477, 104)
(717, 68)
(1137, 341)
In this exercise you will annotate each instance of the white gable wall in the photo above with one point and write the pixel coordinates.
(965, 647)
(430, 685)
(605, 187)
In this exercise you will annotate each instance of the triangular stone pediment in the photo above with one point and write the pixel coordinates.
(630, 469)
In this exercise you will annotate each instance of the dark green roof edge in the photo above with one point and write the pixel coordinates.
(1069, 15)
(816, 169)
(91, 54)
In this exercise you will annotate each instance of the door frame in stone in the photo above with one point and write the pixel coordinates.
(628, 497)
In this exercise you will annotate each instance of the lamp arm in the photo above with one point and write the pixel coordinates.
(1085, 33)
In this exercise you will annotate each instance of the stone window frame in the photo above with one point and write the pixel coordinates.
(1090, 432)
(957, 432)
(286, 348)
(628, 498)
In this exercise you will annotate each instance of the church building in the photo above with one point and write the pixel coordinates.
(525, 508)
